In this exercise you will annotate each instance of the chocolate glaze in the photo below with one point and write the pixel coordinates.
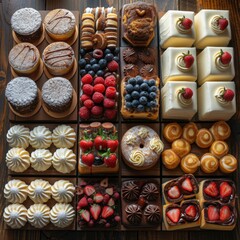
(130, 191)
(134, 214)
(152, 214)
(150, 191)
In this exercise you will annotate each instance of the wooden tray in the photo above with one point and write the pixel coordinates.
(42, 116)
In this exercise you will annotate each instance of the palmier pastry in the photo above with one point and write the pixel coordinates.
(228, 163)
(181, 147)
(219, 149)
(220, 130)
(190, 131)
(209, 163)
(190, 163)
(170, 159)
(172, 132)
(204, 138)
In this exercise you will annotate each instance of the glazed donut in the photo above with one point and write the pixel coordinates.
(170, 159)
(181, 147)
(190, 163)
(220, 130)
(141, 147)
(190, 131)
(172, 132)
(204, 138)
(209, 163)
(228, 163)
(219, 149)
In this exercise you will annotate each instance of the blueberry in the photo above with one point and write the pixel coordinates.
(116, 58)
(140, 108)
(128, 98)
(98, 161)
(83, 72)
(153, 89)
(92, 73)
(143, 100)
(100, 73)
(88, 67)
(135, 95)
(132, 81)
(82, 52)
(116, 51)
(82, 63)
(102, 63)
(109, 57)
(148, 105)
(145, 81)
(107, 50)
(151, 82)
(135, 103)
(129, 105)
(136, 88)
(144, 87)
(139, 80)
(129, 88)
(152, 95)
(95, 67)
(93, 61)
(144, 94)
(153, 104)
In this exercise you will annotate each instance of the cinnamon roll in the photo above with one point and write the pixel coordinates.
(228, 163)
(204, 138)
(170, 159)
(190, 163)
(190, 131)
(209, 163)
(172, 132)
(181, 147)
(220, 130)
(219, 149)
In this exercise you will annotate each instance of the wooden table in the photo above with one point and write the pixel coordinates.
(7, 8)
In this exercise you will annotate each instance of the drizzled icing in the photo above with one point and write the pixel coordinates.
(137, 158)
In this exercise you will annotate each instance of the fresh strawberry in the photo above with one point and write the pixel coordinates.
(187, 93)
(87, 79)
(191, 211)
(110, 160)
(222, 23)
(108, 103)
(82, 203)
(225, 190)
(85, 215)
(213, 213)
(110, 81)
(97, 97)
(87, 89)
(86, 144)
(95, 211)
(99, 88)
(97, 111)
(84, 113)
(112, 145)
(174, 192)
(110, 114)
(188, 59)
(112, 66)
(88, 159)
(111, 202)
(98, 197)
(98, 80)
(111, 92)
(228, 95)
(107, 212)
(89, 190)
(225, 213)
(225, 57)
(100, 143)
(109, 191)
(187, 185)
(211, 190)
(174, 214)
(88, 103)
(84, 97)
(186, 22)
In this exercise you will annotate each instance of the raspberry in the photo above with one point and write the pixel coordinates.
(99, 88)
(89, 103)
(108, 103)
(84, 97)
(97, 97)
(98, 80)
(111, 92)
(87, 79)
(97, 110)
(110, 114)
(84, 113)
(87, 89)
(112, 66)
(110, 81)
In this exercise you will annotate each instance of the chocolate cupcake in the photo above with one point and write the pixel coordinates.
(58, 58)
(27, 24)
(152, 214)
(131, 70)
(130, 56)
(22, 94)
(24, 58)
(57, 94)
(148, 70)
(60, 24)
(150, 191)
(147, 56)
(134, 214)
(130, 191)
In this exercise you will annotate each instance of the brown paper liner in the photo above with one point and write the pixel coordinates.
(61, 114)
(30, 114)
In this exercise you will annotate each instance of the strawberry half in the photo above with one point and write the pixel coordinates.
(95, 211)
(174, 214)
(82, 203)
(89, 190)
(191, 211)
(98, 197)
(225, 57)
(186, 22)
(225, 190)
(211, 190)
(228, 95)
(187, 93)
(107, 212)
(85, 215)
(225, 213)
(222, 23)
(213, 213)
(187, 185)
(174, 192)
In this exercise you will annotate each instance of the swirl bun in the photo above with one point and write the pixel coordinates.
(190, 131)
(219, 148)
(181, 147)
(172, 132)
(204, 138)
(190, 163)
(220, 130)
(209, 163)
(170, 159)
(228, 164)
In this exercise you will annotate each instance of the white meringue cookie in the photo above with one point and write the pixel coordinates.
(40, 137)
(41, 160)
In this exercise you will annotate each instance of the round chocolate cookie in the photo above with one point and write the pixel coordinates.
(57, 94)
(22, 94)
(27, 24)
(24, 58)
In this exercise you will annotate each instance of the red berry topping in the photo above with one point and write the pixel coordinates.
(86, 144)
(87, 89)
(99, 88)
(111, 92)
(87, 79)
(187, 93)
(112, 66)
(211, 190)
(98, 197)
(174, 214)
(174, 192)
(82, 203)
(98, 80)
(222, 23)
(97, 110)
(186, 22)
(95, 211)
(84, 97)
(97, 97)
(84, 113)
(213, 213)
(88, 103)
(108, 103)
(88, 159)
(188, 59)
(225, 213)
(85, 215)
(110, 114)
(97, 53)
(112, 145)
(107, 212)
(225, 190)
(100, 143)
(191, 211)
(225, 57)
(110, 81)
(228, 95)
(89, 190)
(187, 185)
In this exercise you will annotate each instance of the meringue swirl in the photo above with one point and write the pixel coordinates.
(40, 137)
(137, 157)
(41, 160)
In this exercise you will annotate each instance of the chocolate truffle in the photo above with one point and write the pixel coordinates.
(134, 214)
(130, 191)
(150, 191)
(152, 214)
